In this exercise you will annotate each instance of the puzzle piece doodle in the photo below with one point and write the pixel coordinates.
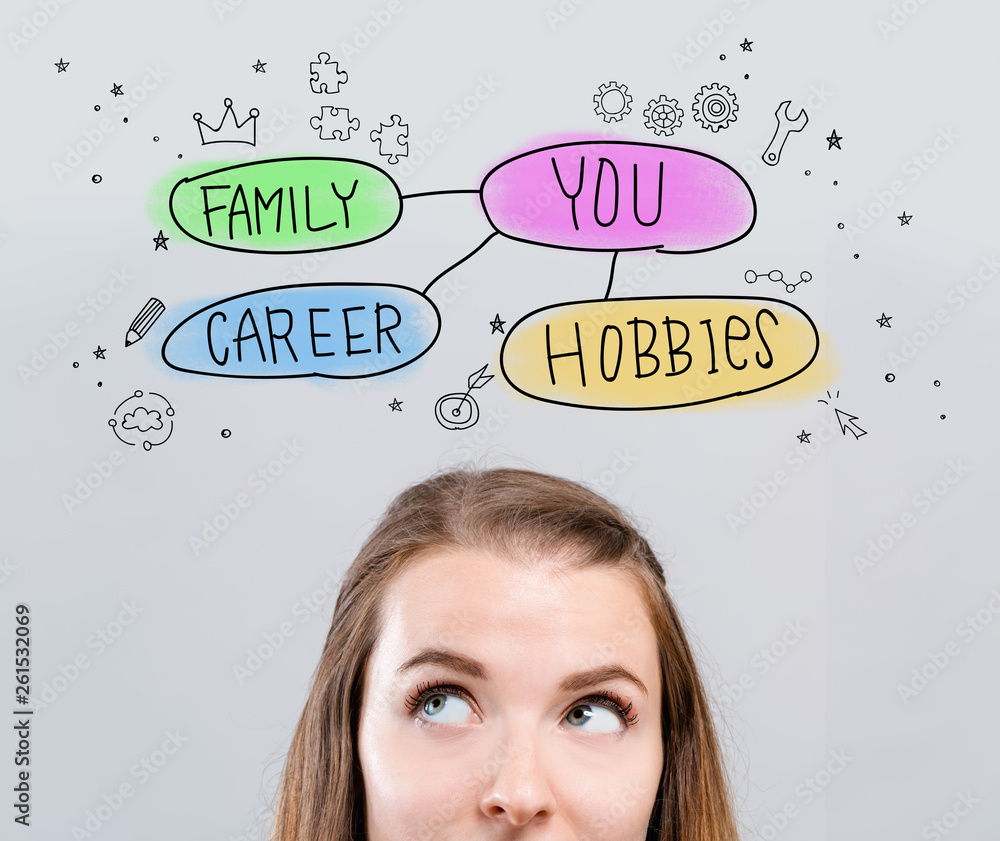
(391, 138)
(334, 123)
(325, 76)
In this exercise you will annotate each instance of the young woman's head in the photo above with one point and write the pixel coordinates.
(504, 662)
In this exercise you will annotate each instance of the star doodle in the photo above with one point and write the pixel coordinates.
(259, 66)
(497, 325)
(116, 90)
(99, 353)
(804, 437)
(161, 242)
(884, 321)
(905, 218)
(396, 405)
(62, 65)
(746, 46)
(834, 141)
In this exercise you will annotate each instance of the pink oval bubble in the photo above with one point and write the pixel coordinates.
(596, 195)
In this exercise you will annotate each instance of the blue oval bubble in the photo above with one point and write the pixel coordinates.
(337, 330)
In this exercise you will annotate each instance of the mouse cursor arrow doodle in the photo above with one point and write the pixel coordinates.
(847, 424)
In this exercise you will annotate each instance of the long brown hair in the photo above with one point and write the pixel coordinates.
(510, 513)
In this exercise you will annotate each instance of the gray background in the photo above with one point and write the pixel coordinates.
(685, 473)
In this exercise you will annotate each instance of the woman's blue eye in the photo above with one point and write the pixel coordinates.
(446, 709)
(593, 718)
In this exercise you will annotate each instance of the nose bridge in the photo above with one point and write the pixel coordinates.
(516, 785)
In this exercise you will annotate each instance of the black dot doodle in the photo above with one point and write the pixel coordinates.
(834, 183)
(100, 384)
(722, 57)
(226, 433)
(156, 138)
(97, 107)
(937, 383)
(96, 179)
(856, 256)
(942, 417)
(179, 157)
(76, 364)
(808, 172)
(746, 75)
(124, 119)
(890, 377)
(840, 225)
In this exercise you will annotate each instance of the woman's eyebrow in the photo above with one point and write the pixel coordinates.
(449, 659)
(576, 682)
(579, 681)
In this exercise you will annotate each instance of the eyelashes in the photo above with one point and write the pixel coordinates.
(604, 698)
(426, 690)
(615, 703)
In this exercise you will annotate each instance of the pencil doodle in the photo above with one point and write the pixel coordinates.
(144, 320)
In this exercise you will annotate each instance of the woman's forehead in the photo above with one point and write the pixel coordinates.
(497, 584)
(492, 608)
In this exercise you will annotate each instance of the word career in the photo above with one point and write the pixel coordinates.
(340, 330)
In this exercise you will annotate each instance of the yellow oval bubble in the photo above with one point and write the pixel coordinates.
(657, 353)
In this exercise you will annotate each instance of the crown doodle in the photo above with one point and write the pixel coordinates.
(230, 130)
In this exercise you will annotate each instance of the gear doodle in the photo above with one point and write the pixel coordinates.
(715, 107)
(663, 115)
(612, 102)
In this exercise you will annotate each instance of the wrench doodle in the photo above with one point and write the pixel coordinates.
(786, 125)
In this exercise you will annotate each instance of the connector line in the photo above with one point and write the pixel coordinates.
(459, 263)
(439, 193)
(611, 277)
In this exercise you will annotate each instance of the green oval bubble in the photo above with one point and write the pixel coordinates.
(287, 205)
